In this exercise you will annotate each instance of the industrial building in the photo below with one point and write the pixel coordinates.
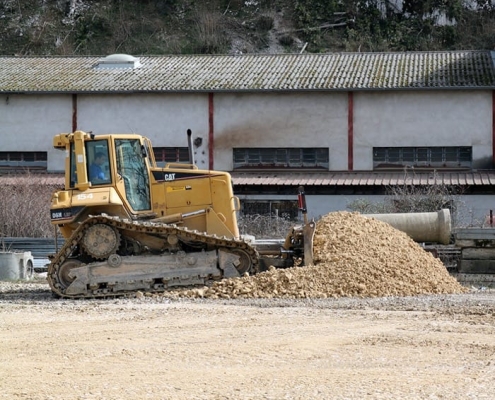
(343, 125)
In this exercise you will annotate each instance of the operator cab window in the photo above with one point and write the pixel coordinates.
(97, 162)
(131, 166)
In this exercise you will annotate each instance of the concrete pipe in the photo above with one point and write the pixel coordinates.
(421, 227)
(14, 266)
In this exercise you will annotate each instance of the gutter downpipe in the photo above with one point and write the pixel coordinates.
(74, 112)
(210, 130)
(350, 131)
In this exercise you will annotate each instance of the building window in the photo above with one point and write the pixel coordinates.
(164, 155)
(18, 160)
(422, 157)
(286, 209)
(313, 157)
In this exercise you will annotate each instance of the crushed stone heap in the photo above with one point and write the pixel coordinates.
(354, 256)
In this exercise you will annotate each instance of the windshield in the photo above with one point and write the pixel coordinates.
(131, 166)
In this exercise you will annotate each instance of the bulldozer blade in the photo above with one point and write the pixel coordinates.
(308, 234)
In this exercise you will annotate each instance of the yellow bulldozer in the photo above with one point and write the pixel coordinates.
(130, 225)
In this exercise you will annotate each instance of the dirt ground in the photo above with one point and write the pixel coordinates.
(423, 347)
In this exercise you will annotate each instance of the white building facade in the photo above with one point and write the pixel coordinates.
(290, 118)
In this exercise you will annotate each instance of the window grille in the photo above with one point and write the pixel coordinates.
(165, 155)
(13, 160)
(435, 157)
(281, 158)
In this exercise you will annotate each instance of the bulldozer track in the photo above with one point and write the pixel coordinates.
(146, 227)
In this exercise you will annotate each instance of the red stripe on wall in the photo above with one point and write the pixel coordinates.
(350, 131)
(493, 127)
(210, 130)
(74, 112)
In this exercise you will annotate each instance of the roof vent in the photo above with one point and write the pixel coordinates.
(118, 61)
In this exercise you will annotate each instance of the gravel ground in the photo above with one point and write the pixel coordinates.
(376, 317)
(151, 347)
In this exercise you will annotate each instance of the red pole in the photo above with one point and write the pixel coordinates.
(210, 130)
(493, 127)
(74, 112)
(350, 131)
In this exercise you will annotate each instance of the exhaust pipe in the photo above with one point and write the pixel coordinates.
(190, 146)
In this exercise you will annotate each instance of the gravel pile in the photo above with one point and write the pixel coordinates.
(354, 256)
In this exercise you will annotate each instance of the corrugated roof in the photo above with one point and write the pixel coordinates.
(365, 178)
(340, 178)
(280, 72)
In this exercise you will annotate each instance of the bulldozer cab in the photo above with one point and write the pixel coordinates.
(118, 165)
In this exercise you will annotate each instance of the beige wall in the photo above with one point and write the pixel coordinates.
(426, 118)
(29, 122)
(317, 119)
(281, 120)
(164, 118)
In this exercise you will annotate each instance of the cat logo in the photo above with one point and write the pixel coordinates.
(169, 177)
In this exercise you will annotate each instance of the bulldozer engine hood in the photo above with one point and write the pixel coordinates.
(166, 176)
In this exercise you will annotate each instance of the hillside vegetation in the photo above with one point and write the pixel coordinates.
(87, 27)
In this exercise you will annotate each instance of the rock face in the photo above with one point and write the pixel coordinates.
(354, 256)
